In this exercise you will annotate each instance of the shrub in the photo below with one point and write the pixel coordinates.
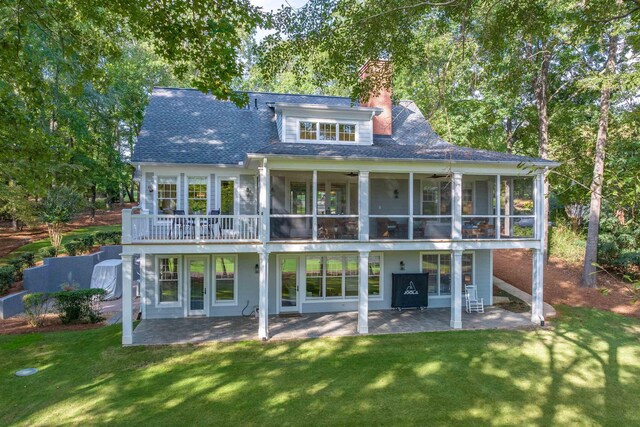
(71, 248)
(18, 267)
(84, 244)
(80, 305)
(36, 307)
(48, 252)
(29, 259)
(102, 237)
(7, 277)
(115, 237)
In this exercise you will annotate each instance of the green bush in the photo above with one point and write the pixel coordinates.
(48, 252)
(566, 244)
(71, 248)
(85, 244)
(18, 267)
(102, 237)
(7, 278)
(36, 306)
(80, 305)
(115, 237)
(29, 259)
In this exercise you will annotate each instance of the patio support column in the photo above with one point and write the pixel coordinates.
(263, 303)
(456, 290)
(498, 220)
(457, 207)
(363, 293)
(410, 225)
(537, 304)
(142, 287)
(363, 205)
(127, 299)
(314, 207)
(264, 201)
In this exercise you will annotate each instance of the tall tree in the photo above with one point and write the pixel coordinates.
(591, 251)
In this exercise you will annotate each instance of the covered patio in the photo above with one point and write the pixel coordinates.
(227, 329)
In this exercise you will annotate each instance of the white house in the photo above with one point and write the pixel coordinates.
(310, 203)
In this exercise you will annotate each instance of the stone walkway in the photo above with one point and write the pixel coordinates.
(221, 329)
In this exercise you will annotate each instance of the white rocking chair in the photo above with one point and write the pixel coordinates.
(474, 305)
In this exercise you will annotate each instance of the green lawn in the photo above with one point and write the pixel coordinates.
(78, 232)
(584, 372)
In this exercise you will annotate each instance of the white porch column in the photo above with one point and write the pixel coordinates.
(410, 226)
(263, 304)
(264, 201)
(363, 293)
(498, 220)
(456, 290)
(127, 235)
(142, 286)
(537, 304)
(538, 204)
(363, 205)
(127, 299)
(314, 208)
(457, 207)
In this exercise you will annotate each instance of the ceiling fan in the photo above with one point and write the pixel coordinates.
(352, 174)
(438, 176)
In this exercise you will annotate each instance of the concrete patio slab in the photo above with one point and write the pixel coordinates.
(226, 329)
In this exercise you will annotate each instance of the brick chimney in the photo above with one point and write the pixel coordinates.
(378, 74)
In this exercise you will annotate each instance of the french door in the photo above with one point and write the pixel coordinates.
(197, 280)
(288, 283)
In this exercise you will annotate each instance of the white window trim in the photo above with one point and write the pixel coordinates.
(319, 300)
(157, 192)
(187, 286)
(167, 304)
(214, 302)
(473, 270)
(186, 192)
(334, 121)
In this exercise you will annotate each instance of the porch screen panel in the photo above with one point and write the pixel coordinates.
(225, 271)
(168, 280)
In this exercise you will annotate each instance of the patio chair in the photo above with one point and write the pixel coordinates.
(474, 305)
(180, 226)
(213, 224)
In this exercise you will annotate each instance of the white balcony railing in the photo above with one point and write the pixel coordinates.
(194, 228)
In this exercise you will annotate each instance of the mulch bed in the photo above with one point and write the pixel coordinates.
(562, 283)
(11, 240)
(19, 325)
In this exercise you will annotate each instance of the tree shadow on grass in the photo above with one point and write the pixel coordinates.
(465, 377)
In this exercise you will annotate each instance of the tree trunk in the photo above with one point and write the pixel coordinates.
(589, 279)
(541, 89)
(93, 203)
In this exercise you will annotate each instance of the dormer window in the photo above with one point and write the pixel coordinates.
(327, 132)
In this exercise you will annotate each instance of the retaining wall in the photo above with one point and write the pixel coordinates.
(11, 305)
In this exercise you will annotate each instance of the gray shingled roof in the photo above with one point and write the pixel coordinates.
(188, 127)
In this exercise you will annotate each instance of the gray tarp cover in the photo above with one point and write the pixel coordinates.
(105, 276)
